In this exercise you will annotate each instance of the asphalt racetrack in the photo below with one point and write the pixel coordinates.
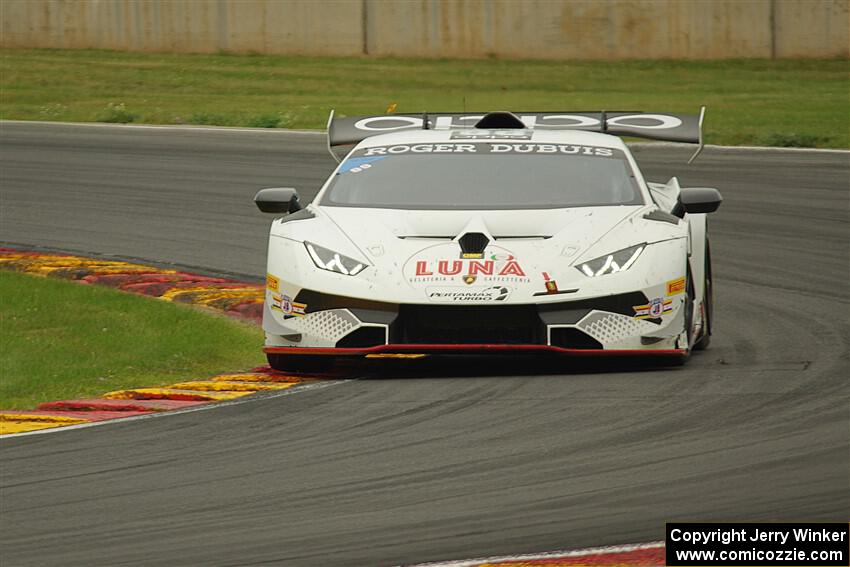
(473, 460)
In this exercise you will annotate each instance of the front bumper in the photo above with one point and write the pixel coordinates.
(472, 349)
(607, 325)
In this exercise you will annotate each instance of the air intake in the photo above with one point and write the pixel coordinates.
(500, 121)
(472, 244)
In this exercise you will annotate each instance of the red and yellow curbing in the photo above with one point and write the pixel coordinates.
(639, 554)
(20, 422)
(100, 404)
(142, 401)
(237, 299)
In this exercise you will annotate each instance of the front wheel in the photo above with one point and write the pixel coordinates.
(708, 304)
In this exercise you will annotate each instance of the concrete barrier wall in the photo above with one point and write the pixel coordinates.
(545, 29)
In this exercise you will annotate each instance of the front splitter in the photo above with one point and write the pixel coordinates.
(472, 349)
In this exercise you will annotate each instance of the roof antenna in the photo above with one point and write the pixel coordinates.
(425, 125)
(604, 121)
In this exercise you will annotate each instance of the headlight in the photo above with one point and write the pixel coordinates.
(333, 261)
(618, 261)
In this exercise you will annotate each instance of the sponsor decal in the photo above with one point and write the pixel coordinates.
(487, 148)
(570, 149)
(491, 135)
(272, 282)
(358, 164)
(469, 295)
(655, 308)
(472, 255)
(421, 149)
(540, 121)
(285, 305)
(552, 287)
(675, 287)
(440, 264)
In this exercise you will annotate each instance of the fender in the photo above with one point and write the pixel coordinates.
(697, 234)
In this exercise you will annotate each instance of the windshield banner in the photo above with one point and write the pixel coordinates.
(488, 148)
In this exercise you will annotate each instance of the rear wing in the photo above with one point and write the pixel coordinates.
(686, 128)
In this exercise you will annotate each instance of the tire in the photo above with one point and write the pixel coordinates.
(705, 339)
(300, 363)
(689, 308)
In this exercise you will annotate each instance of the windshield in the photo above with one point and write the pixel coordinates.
(483, 176)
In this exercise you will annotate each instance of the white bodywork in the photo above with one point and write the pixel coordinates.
(402, 250)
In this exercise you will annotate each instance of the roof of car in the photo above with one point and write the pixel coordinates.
(516, 136)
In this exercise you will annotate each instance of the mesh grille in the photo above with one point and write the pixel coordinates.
(331, 325)
(611, 328)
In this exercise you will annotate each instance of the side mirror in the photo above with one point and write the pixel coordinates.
(694, 200)
(278, 200)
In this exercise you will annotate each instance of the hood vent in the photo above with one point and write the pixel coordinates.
(425, 237)
(506, 237)
(472, 244)
(524, 237)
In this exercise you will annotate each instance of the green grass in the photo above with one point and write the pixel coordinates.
(64, 340)
(763, 102)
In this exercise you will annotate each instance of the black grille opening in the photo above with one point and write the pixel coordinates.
(508, 324)
(364, 337)
(569, 337)
(565, 312)
(317, 301)
(473, 243)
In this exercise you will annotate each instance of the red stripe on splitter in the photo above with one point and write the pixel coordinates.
(474, 348)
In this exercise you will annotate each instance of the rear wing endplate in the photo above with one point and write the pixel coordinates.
(686, 128)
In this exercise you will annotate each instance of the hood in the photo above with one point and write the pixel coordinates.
(439, 256)
(578, 228)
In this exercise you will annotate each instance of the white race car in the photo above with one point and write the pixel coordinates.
(501, 232)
